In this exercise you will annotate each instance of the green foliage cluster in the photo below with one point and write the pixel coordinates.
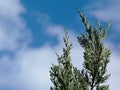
(93, 75)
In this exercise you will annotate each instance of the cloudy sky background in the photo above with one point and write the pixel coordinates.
(32, 31)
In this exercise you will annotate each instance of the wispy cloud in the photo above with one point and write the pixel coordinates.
(12, 26)
(106, 11)
(14, 36)
(113, 68)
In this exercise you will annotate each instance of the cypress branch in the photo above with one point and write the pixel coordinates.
(93, 75)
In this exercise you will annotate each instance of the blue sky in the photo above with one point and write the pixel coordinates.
(32, 31)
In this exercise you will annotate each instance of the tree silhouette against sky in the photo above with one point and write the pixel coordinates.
(93, 75)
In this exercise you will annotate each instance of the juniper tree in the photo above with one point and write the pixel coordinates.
(64, 76)
(61, 74)
(92, 76)
(96, 56)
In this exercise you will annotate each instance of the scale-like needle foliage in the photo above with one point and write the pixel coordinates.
(96, 56)
(93, 75)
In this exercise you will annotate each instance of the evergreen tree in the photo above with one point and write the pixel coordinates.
(93, 75)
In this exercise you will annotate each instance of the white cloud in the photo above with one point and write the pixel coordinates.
(35, 66)
(106, 11)
(12, 26)
(13, 37)
(113, 68)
